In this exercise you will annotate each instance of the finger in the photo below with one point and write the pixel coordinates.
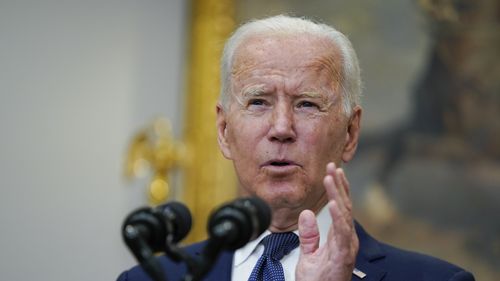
(343, 240)
(339, 183)
(345, 182)
(340, 205)
(330, 168)
(337, 174)
(347, 191)
(308, 232)
(332, 189)
(341, 232)
(328, 180)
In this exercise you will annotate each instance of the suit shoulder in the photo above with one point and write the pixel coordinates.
(404, 263)
(175, 270)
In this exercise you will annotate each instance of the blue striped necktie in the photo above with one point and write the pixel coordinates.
(276, 246)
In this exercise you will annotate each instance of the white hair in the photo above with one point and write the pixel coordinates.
(350, 73)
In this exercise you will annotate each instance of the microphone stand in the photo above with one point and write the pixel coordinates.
(230, 227)
(143, 253)
(198, 268)
(178, 254)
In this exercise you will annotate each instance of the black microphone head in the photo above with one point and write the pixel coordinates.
(143, 224)
(240, 221)
(180, 217)
(262, 212)
(155, 225)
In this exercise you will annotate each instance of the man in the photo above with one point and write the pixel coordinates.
(288, 117)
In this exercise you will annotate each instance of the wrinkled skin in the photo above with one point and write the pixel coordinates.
(284, 129)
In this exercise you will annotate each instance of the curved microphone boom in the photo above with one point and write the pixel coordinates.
(230, 227)
(147, 230)
(239, 222)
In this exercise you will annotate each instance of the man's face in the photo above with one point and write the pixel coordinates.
(284, 121)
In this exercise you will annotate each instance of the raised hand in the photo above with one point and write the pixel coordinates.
(336, 258)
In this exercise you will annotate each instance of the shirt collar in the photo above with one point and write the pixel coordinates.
(242, 254)
(323, 218)
(324, 221)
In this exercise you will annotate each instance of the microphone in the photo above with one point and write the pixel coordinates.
(230, 227)
(238, 222)
(147, 231)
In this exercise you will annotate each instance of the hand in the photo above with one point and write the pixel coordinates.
(335, 260)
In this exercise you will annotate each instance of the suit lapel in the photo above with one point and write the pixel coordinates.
(369, 251)
(371, 271)
(223, 266)
(222, 269)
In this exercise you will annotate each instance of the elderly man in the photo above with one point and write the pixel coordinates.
(288, 118)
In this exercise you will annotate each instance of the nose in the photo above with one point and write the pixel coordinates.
(282, 125)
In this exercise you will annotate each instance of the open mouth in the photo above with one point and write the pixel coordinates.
(280, 167)
(279, 163)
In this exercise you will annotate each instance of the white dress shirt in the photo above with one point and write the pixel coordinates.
(246, 257)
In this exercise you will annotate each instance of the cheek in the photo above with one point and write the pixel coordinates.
(314, 133)
(245, 135)
(323, 140)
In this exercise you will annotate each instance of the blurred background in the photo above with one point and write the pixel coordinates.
(81, 83)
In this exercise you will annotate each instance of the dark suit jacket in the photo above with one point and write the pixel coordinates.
(377, 260)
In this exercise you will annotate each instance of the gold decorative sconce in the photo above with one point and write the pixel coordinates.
(153, 150)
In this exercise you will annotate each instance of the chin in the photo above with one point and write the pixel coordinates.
(277, 192)
(283, 197)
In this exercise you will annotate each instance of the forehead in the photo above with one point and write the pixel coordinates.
(287, 51)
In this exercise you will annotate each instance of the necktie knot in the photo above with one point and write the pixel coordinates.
(277, 245)
(269, 267)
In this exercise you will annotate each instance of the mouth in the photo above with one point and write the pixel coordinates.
(280, 164)
(280, 168)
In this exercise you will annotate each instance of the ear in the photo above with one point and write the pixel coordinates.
(352, 135)
(222, 131)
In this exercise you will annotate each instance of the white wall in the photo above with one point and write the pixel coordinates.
(77, 79)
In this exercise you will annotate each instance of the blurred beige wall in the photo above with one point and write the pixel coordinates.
(77, 79)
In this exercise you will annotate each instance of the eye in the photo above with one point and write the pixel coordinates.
(307, 104)
(256, 102)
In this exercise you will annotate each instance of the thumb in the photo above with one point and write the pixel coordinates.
(308, 232)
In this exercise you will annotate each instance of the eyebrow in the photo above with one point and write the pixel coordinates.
(254, 91)
(259, 91)
(310, 94)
